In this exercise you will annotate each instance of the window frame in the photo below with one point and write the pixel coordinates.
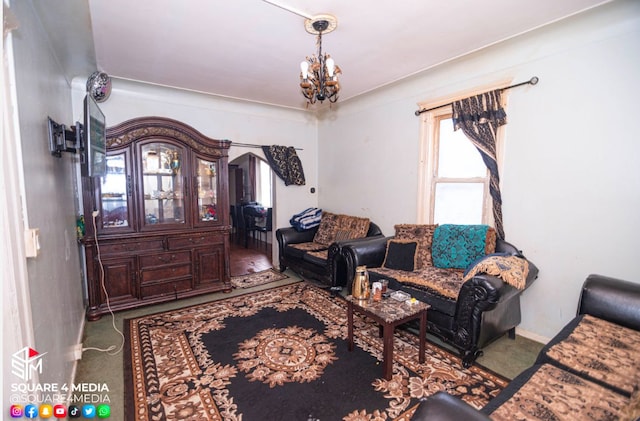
(429, 152)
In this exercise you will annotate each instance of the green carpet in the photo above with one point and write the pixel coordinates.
(282, 354)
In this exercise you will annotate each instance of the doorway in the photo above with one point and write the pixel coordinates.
(251, 182)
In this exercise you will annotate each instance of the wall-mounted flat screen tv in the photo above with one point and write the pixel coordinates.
(94, 156)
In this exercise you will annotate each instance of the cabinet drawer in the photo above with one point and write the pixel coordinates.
(131, 247)
(166, 273)
(195, 240)
(161, 259)
(165, 288)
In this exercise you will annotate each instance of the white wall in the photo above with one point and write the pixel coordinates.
(570, 182)
(54, 277)
(221, 118)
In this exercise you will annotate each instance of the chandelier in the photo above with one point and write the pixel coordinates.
(319, 73)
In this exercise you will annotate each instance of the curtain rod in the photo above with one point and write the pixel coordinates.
(531, 81)
(249, 145)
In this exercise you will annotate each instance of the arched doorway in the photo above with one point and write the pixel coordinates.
(251, 182)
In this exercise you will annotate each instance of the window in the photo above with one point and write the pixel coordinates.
(263, 181)
(455, 180)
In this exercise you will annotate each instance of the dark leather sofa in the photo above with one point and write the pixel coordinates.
(604, 298)
(331, 270)
(486, 307)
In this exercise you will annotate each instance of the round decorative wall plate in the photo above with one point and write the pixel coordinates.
(99, 86)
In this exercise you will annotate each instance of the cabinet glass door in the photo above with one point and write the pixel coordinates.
(162, 185)
(114, 194)
(207, 189)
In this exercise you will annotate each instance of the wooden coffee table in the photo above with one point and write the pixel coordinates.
(389, 313)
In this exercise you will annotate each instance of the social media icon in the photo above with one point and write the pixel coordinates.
(59, 411)
(104, 411)
(88, 411)
(46, 411)
(16, 411)
(31, 411)
(74, 412)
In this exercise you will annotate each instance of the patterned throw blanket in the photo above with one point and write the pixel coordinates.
(284, 161)
(511, 269)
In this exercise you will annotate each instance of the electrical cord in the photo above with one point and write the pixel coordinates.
(106, 294)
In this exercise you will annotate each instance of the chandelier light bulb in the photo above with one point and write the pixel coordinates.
(331, 66)
(304, 68)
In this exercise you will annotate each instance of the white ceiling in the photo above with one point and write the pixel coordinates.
(251, 49)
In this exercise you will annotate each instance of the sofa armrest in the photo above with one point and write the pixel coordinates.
(343, 271)
(291, 236)
(480, 294)
(611, 299)
(367, 251)
(444, 407)
(503, 246)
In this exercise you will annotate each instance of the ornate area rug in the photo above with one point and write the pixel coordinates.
(282, 354)
(257, 278)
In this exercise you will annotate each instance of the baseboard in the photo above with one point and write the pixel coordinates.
(74, 367)
(533, 336)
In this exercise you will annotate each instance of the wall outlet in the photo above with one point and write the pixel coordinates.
(77, 352)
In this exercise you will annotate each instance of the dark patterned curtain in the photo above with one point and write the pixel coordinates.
(284, 161)
(479, 118)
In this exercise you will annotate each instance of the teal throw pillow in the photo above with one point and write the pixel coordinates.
(457, 246)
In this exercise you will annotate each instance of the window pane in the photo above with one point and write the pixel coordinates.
(458, 157)
(264, 185)
(458, 203)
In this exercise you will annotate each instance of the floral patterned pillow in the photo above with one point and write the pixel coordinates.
(334, 227)
(423, 235)
(327, 230)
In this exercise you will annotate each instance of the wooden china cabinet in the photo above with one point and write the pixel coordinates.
(162, 226)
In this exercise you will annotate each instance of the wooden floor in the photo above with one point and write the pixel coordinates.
(255, 257)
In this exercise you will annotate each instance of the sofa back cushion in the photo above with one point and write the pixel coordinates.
(457, 246)
(334, 227)
(421, 234)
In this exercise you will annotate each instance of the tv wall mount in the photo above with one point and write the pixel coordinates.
(63, 139)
